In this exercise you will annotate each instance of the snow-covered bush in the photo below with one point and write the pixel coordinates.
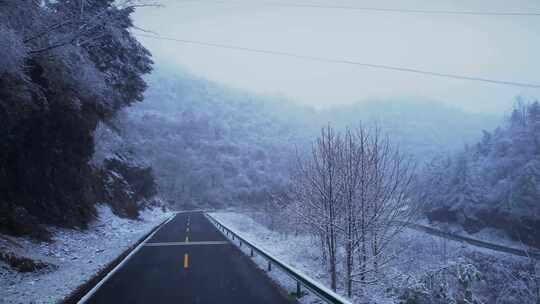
(451, 284)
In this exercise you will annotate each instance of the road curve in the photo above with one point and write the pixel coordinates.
(473, 242)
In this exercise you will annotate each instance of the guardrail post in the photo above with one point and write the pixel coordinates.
(309, 284)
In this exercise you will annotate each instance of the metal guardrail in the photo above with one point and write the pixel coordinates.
(474, 242)
(301, 279)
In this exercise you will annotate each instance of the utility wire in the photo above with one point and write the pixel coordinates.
(344, 61)
(377, 9)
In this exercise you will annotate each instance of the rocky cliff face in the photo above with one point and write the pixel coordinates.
(125, 187)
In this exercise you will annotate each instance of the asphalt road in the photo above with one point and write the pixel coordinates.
(188, 261)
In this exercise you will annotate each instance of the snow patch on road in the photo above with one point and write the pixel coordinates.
(78, 254)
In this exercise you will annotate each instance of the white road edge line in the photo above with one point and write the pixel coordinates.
(115, 269)
(196, 211)
(186, 243)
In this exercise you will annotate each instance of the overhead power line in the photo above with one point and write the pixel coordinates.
(378, 9)
(345, 61)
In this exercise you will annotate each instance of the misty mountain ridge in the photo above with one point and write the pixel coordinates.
(421, 127)
(209, 143)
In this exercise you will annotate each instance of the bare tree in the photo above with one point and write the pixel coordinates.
(391, 207)
(357, 177)
(351, 174)
(362, 200)
(316, 191)
(354, 192)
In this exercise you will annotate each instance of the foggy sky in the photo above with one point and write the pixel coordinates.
(498, 47)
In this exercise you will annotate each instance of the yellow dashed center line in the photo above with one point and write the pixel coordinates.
(186, 256)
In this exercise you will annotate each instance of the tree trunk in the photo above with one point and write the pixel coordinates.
(375, 251)
(350, 264)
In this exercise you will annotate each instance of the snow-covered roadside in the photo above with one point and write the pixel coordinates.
(79, 255)
(297, 251)
(490, 235)
(418, 254)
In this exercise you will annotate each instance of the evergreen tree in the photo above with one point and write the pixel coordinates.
(65, 66)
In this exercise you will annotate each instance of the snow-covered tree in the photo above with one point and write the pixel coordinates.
(354, 193)
(496, 180)
(65, 66)
(318, 187)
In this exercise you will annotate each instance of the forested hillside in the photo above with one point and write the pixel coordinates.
(64, 67)
(493, 183)
(213, 146)
(210, 146)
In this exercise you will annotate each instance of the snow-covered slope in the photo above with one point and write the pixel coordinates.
(74, 256)
(418, 255)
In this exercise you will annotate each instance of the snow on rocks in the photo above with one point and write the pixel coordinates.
(77, 256)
